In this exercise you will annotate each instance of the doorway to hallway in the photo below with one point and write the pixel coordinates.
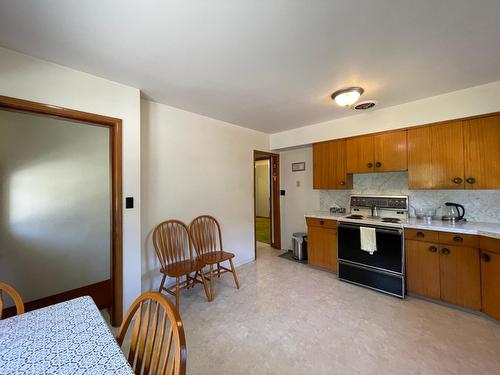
(266, 200)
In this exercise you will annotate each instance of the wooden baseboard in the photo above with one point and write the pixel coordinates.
(100, 293)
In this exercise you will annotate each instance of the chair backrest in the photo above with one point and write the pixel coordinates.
(14, 295)
(172, 242)
(206, 234)
(158, 343)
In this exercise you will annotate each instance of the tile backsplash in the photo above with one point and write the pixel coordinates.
(480, 205)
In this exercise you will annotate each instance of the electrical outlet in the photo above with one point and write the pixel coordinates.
(297, 183)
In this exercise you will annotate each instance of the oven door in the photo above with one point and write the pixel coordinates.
(389, 254)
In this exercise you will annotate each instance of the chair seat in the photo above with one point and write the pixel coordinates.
(215, 257)
(182, 268)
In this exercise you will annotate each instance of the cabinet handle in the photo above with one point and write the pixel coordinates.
(370, 165)
(433, 249)
(321, 222)
(445, 251)
(471, 180)
(457, 180)
(378, 164)
(342, 183)
(458, 239)
(420, 235)
(485, 257)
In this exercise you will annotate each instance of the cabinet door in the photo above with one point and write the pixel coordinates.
(436, 156)
(422, 269)
(482, 153)
(460, 276)
(329, 166)
(322, 247)
(322, 160)
(390, 152)
(490, 283)
(360, 154)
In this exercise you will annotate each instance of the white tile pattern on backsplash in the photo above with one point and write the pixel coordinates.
(480, 205)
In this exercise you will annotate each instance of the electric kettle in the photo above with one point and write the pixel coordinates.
(453, 212)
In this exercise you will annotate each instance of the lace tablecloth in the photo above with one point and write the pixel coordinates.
(67, 338)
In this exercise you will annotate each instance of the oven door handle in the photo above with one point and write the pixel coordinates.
(378, 229)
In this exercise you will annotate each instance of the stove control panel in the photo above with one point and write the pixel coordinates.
(398, 203)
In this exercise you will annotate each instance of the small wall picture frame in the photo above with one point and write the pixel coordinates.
(298, 167)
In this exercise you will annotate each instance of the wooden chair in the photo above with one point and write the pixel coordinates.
(174, 248)
(207, 239)
(14, 295)
(157, 326)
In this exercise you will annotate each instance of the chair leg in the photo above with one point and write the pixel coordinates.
(218, 270)
(207, 293)
(177, 294)
(162, 282)
(212, 291)
(233, 271)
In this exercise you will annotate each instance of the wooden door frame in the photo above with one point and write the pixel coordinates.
(274, 165)
(115, 127)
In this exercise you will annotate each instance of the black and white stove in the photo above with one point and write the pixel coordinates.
(383, 269)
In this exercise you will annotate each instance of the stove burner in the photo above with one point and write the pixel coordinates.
(390, 220)
(354, 217)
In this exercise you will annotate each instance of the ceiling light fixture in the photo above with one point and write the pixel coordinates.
(348, 96)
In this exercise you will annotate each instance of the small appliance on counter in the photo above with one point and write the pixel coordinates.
(453, 212)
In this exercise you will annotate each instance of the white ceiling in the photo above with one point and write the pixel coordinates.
(267, 65)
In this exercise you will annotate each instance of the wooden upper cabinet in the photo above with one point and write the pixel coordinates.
(386, 152)
(390, 152)
(436, 156)
(360, 154)
(482, 153)
(329, 165)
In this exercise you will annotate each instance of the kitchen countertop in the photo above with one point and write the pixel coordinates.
(469, 227)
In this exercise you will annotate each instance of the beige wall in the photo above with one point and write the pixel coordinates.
(54, 204)
(298, 200)
(473, 101)
(25, 77)
(262, 188)
(193, 165)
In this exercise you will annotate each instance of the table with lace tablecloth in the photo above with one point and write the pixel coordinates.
(66, 338)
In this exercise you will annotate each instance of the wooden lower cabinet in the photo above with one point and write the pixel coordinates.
(490, 283)
(422, 269)
(439, 271)
(322, 246)
(460, 275)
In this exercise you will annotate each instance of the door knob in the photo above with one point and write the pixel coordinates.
(445, 251)
(342, 182)
(433, 249)
(485, 257)
(471, 180)
(370, 165)
(457, 180)
(378, 164)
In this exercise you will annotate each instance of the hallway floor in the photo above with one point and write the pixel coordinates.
(290, 318)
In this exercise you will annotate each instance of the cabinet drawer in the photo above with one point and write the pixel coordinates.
(490, 244)
(314, 222)
(458, 239)
(421, 235)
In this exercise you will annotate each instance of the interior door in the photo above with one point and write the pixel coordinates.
(422, 269)
(390, 152)
(482, 153)
(360, 154)
(460, 276)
